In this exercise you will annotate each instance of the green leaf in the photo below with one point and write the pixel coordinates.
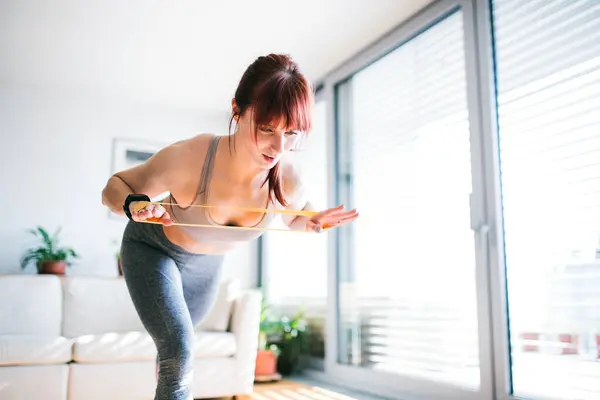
(48, 249)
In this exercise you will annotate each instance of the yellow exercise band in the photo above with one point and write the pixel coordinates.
(138, 206)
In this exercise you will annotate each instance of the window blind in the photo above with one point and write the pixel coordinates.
(548, 87)
(409, 305)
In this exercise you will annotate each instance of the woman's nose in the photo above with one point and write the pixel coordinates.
(278, 143)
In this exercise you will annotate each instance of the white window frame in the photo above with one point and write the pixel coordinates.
(397, 386)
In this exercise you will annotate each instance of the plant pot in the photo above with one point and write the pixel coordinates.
(287, 365)
(120, 267)
(266, 363)
(52, 267)
(289, 359)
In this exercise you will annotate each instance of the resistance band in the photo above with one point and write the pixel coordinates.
(303, 213)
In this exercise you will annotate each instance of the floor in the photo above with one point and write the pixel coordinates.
(301, 389)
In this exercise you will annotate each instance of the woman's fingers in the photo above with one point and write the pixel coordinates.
(348, 217)
(340, 217)
(166, 219)
(141, 215)
(339, 221)
(157, 210)
(328, 212)
(331, 218)
(335, 213)
(150, 211)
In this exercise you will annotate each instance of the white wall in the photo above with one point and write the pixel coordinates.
(55, 157)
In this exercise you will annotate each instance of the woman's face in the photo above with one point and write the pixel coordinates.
(272, 140)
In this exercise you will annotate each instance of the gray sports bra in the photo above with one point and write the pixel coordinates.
(201, 215)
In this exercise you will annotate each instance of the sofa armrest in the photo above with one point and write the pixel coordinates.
(245, 325)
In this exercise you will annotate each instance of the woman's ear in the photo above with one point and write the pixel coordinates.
(235, 109)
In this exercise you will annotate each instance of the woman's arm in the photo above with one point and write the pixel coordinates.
(299, 222)
(297, 199)
(159, 174)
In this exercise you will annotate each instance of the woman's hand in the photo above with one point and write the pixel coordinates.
(143, 211)
(330, 218)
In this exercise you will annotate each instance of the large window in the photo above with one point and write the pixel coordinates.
(407, 295)
(548, 83)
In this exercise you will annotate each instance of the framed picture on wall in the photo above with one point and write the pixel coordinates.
(127, 153)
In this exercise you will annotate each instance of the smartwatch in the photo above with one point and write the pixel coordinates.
(131, 198)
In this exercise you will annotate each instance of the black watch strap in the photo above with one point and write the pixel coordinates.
(131, 198)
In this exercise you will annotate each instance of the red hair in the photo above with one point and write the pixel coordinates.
(278, 93)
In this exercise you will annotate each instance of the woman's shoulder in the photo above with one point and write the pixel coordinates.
(192, 146)
(183, 159)
(186, 153)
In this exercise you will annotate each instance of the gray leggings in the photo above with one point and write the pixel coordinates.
(172, 290)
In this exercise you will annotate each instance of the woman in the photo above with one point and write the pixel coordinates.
(172, 271)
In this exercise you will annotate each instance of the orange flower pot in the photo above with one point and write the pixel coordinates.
(266, 363)
(53, 267)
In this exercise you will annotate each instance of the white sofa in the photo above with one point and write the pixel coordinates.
(79, 338)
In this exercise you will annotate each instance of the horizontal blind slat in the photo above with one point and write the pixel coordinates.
(550, 37)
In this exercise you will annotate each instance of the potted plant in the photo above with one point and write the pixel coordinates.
(293, 343)
(267, 354)
(49, 257)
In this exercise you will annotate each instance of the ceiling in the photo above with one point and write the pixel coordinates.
(180, 53)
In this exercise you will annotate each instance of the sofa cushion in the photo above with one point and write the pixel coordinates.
(138, 346)
(214, 344)
(33, 382)
(96, 305)
(31, 304)
(33, 349)
(217, 319)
